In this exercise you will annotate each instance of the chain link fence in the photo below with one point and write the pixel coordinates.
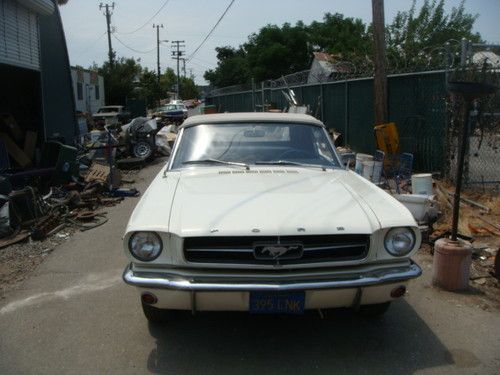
(480, 64)
(418, 103)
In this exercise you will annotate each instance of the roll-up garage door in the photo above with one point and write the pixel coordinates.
(19, 32)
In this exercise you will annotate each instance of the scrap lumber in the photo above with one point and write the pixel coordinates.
(98, 172)
(14, 151)
(30, 144)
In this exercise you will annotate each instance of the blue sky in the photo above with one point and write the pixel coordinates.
(191, 20)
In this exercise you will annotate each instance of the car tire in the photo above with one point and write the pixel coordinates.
(156, 315)
(142, 150)
(375, 310)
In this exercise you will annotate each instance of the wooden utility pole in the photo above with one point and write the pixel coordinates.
(380, 76)
(177, 55)
(158, 49)
(183, 67)
(108, 13)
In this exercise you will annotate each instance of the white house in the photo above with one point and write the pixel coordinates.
(88, 90)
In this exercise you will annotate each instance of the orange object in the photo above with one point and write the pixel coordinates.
(387, 138)
(451, 267)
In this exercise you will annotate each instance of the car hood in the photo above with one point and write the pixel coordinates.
(265, 201)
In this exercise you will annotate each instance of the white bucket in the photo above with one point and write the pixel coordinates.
(416, 204)
(359, 162)
(367, 171)
(422, 184)
(377, 171)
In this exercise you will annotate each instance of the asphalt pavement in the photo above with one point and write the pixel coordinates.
(74, 315)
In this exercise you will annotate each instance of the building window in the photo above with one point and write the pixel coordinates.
(97, 94)
(79, 90)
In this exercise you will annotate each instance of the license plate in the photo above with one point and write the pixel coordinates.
(277, 303)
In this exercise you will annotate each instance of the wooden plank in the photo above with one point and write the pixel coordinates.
(10, 123)
(14, 151)
(30, 144)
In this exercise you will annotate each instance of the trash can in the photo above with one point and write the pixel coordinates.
(451, 266)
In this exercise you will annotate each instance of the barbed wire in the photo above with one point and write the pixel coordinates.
(447, 56)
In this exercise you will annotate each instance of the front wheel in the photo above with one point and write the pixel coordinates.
(156, 315)
(375, 310)
(143, 150)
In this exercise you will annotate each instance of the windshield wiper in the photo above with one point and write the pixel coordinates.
(288, 162)
(200, 161)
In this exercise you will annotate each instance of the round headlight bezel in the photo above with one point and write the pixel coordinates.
(139, 257)
(390, 235)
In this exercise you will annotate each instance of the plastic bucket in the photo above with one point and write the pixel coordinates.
(359, 162)
(422, 184)
(377, 171)
(367, 171)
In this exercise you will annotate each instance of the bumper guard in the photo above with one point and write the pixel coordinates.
(165, 280)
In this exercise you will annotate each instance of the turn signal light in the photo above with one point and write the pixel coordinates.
(398, 292)
(149, 298)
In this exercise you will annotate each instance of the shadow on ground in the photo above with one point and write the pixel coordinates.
(343, 342)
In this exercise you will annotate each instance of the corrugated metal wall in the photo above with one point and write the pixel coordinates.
(416, 104)
(19, 36)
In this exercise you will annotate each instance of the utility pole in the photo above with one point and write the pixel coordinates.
(158, 49)
(380, 76)
(183, 67)
(108, 14)
(177, 54)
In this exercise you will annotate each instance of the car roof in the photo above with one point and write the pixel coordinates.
(261, 117)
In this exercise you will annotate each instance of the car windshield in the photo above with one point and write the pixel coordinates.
(170, 107)
(255, 143)
(108, 109)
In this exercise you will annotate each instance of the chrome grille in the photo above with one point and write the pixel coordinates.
(240, 250)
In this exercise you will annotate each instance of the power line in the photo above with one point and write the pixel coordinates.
(132, 49)
(201, 65)
(204, 61)
(89, 46)
(148, 21)
(211, 31)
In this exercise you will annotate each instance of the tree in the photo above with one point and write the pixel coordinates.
(232, 68)
(168, 79)
(347, 37)
(149, 89)
(275, 51)
(411, 33)
(120, 80)
(188, 89)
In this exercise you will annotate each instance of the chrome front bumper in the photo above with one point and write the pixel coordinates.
(157, 280)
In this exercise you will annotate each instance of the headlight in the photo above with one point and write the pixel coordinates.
(145, 246)
(399, 241)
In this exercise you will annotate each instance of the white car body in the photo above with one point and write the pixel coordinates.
(268, 201)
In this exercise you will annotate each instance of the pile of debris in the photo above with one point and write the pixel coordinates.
(65, 186)
(478, 224)
(135, 143)
(29, 212)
